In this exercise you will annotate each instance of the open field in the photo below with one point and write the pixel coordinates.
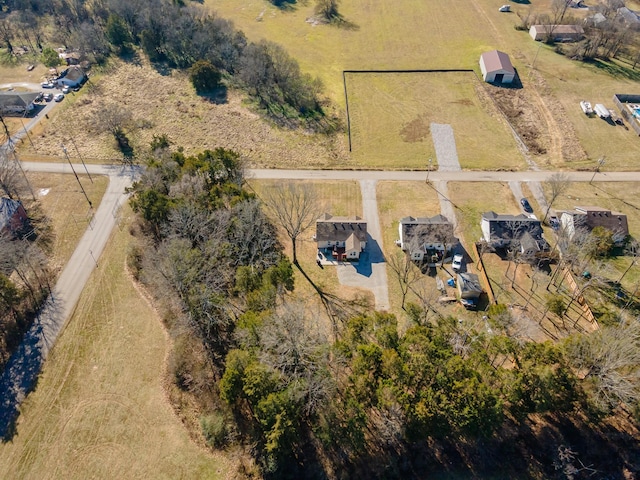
(391, 116)
(100, 410)
(418, 34)
(63, 202)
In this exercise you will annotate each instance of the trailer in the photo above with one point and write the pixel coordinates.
(602, 111)
(586, 107)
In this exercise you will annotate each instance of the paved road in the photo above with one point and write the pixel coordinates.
(22, 370)
(436, 176)
(371, 271)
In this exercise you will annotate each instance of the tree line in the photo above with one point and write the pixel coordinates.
(268, 373)
(178, 34)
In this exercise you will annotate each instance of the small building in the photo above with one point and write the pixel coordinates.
(426, 237)
(71, 77)
(590, 217)
(469, 289)
(344, 237)
(496, 67)
(17, 103)
(12, 216)
(557, 33)
(507, 231)
(70, 58)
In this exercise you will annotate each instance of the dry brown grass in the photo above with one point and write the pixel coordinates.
(68, 211)
(167, 104)
(100, 410)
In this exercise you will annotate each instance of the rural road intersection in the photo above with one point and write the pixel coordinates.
(22, 370)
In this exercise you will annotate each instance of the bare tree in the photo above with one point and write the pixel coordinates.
(558, 184)
(12, 180)
(405, 271)
(632, 249)
(610, 361)
(296, 207)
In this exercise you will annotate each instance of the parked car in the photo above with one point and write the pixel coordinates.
(505, 8)
(47, 85)
(66, 89)
(526, 205)
(30, 67)
(58, 97)
(456, 264)
(554, 222)
(47, 97)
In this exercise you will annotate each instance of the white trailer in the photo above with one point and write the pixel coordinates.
(602, 111)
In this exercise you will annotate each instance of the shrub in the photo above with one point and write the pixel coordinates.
(214, 429)
(204, 76)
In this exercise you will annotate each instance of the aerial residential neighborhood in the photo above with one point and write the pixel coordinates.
(320, 239)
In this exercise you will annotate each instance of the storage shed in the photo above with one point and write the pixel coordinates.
(557, 33)
(496, 67)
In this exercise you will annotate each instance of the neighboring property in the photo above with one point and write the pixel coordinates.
(591, 217)
(72, 77)
(496, 67)
(510, 231)
(17, 103)
(12, 216)
(344, 237)
(429, 238)
(629, 106)
(469, 289)
(557, 33)
(70, 58)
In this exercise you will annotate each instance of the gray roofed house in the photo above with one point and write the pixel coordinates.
(17, 103)
(500, 231)
(589, 217)
(73, 76)
(346, 237)
(430, 236)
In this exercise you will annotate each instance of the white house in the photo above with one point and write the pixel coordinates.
(496, 67)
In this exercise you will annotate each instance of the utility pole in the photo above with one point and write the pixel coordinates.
(64, 149)
(81, 159)
(600, 163)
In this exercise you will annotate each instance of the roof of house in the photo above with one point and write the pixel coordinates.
(72, 73)
(436, 229)
(559, 29)
(339, 229)
(497, 60)
(17, 99)
(528, 243)
(512, 227)
(469, 284)
(590, 217)
(8, 208)
(351, 243)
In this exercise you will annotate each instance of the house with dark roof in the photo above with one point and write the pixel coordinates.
(73, 76)
(496, 67)
(344, 237)
(17, 103)
(590, 217)
(429, 238)
(513, 231)
(12, 216)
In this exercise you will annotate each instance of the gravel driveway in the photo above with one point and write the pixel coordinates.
(445, 145)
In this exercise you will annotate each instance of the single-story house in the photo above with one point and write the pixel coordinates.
(12, 216)
(558, 33)
(507, 231)
(345, 237)
(426, 236)
(72, 76)
(496, 67)
(591, 217)
(17, 103)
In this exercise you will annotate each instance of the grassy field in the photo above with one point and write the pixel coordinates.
(100, 410)
(65, 205)
(391, 116)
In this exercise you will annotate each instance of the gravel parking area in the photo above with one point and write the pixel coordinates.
(445, 145)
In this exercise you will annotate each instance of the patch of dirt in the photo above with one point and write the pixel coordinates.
(539, 120)
(416, 130)
(165, 103)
